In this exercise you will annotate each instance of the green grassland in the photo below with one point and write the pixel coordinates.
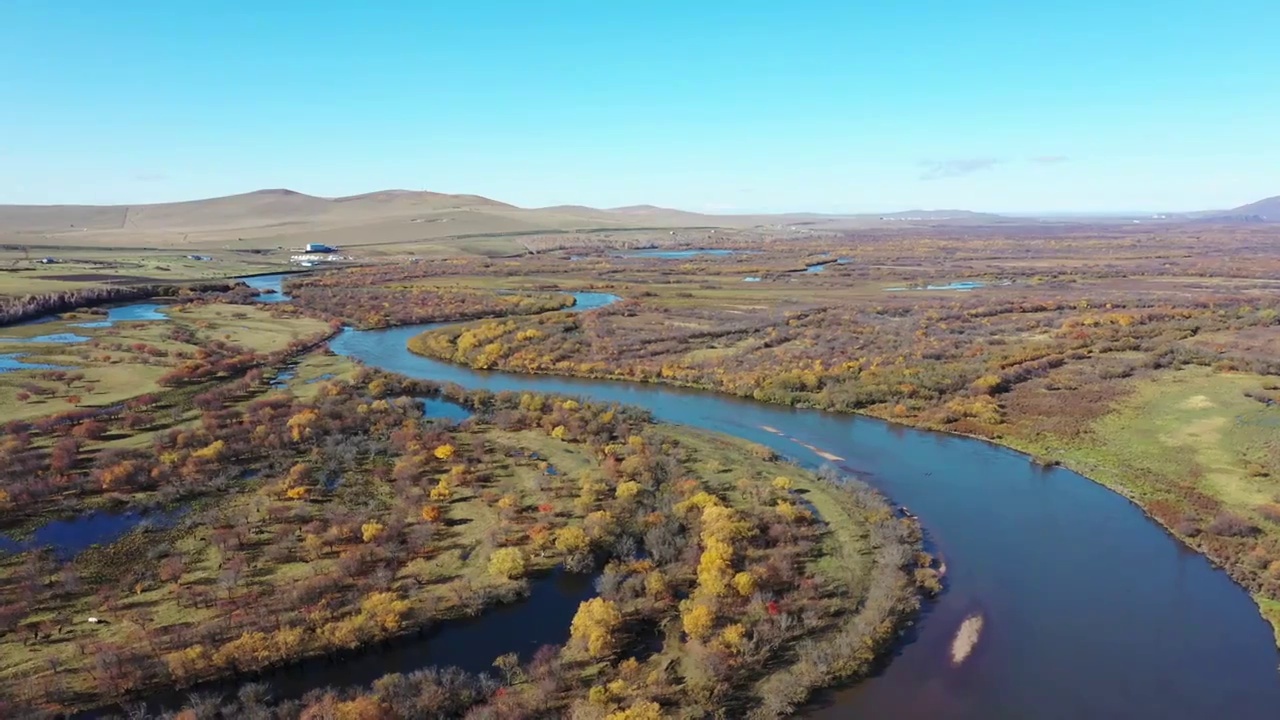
(1179, 434)
(111, 376)
(81, 267)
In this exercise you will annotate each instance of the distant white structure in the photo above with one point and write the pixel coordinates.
(312, 260)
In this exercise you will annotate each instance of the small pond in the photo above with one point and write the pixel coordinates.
(584, 301)
(135, 312)
(55, 338)
(70, 537)
(283, 377)
(269, 282)
(959, 286)
(441, 409)
(11, 362)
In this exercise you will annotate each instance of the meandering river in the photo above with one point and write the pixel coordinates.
(1088, 608)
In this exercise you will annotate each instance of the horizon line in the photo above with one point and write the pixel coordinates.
(713, 211)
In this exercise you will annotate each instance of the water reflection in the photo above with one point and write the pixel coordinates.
(11, 362)
(272, 283)
(135, 312)
(70, 537)
(54, 338)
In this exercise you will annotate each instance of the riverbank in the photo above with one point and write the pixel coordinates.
(1166, 491)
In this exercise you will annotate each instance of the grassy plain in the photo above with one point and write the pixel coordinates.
(20, 274)
(108, 368)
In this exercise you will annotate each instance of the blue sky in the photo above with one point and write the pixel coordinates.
(713, 106)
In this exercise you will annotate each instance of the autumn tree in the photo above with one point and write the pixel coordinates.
(385, 609)
(697, 619)
(641, 710)
(441, 491)
(507, 562)
(301, 425)
(572, 539)
(372, 530)
(594, 627)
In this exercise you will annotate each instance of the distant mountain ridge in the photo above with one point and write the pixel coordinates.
(260, 208)
(281, 217)
(1267, 208)
(275, 212)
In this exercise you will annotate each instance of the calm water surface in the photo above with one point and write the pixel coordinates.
(441, 409)
(134, 312)
(53, 338)
(1092, 610)
(470, 644)
(10, 362)
(269, 282)
(959, 286)
(68, 538)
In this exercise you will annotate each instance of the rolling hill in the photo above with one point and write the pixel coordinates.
(279, 218)
(1268, 209)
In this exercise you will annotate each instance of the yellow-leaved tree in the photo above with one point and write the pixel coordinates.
(300, 425)
(572, 539)
(643, 710)
(697, 619)
(594, 626)
(442, 491)
(627, 489)
(715, 569)
(385, 609)
(372, 530)
(507, 562)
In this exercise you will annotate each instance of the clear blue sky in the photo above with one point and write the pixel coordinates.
(779, 105)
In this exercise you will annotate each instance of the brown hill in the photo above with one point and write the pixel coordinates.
(281, 218)
(1268, 209)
